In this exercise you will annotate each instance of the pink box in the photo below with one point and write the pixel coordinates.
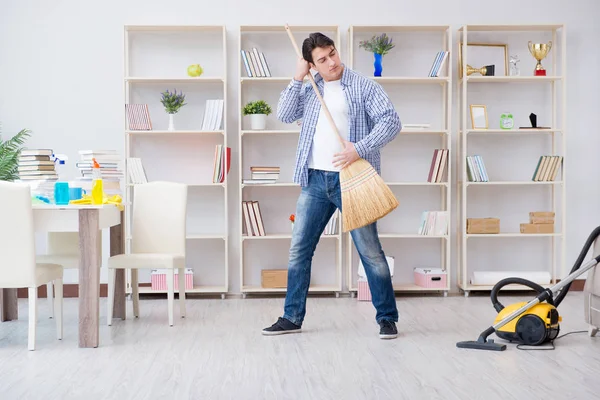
(364, 293)
(158, 279)
(430, 278)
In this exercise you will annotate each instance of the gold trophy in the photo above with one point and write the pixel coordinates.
(539, 51)
(471, 70)
(488, 70)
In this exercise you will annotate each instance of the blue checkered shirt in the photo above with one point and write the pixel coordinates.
(373, 121)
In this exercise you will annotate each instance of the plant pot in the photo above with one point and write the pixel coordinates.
(377, 64)
(171, 122)
(258, 121)
(292, 226)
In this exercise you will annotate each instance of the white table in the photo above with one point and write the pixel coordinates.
(89, 222)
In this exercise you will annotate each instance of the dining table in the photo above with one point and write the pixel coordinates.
(89, 221)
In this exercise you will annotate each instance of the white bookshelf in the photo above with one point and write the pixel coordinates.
(276, 146)
(156, 59)
(511, 156)
(405, 162)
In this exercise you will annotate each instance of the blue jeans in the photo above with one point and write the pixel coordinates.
(316, 204)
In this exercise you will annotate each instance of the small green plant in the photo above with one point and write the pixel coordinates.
(381, 44)
(257, 107)
(172, 101)
(10, 150)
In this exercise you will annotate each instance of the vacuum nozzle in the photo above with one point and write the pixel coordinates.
(482, 343)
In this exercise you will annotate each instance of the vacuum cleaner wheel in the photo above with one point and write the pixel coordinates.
(531, 330)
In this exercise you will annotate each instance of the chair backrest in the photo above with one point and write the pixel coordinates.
(159, 218)
(63, 243)
(17, 237)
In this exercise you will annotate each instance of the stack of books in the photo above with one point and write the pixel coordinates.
(111, 173)
(262, 175)
(37, 169)
(37, 164)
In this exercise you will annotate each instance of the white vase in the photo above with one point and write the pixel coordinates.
(258, 121)
(292, 226)
(171, 122)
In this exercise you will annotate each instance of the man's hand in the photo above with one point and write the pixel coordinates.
(346, 156)
(302, 69)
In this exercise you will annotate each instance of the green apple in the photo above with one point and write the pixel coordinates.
(195, 70)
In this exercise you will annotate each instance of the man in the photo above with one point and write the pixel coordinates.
(366, 118)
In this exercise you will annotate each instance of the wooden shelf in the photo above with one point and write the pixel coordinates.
(510, 235)
(170, 80)
(195, 289)
(485, 288)
(311, 289)
(411, 79)
(512, 183)
(413, 71)
(510, 132)
(171, 133)
(270, 132)
(149, 69)
(279, 236)
(505, 158)
(259, 148)
(511, 79)
(511, 28)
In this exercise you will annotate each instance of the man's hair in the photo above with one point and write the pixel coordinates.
(314, 40)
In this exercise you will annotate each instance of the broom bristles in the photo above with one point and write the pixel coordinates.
(365, 196)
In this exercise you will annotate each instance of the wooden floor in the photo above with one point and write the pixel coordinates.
(218, 352)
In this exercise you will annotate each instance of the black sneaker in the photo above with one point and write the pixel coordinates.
(281, 327)
(388, 330)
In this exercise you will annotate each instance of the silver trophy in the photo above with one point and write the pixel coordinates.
(514, 70)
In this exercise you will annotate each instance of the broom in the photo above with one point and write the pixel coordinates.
(365, 196)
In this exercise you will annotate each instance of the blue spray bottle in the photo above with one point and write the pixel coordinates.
(61, 186)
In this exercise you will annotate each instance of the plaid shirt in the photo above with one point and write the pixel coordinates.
(373, 120)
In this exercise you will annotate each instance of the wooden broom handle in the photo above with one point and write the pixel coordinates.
(314, 85)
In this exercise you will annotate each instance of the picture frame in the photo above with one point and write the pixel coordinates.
(479, 116)
(485, 54)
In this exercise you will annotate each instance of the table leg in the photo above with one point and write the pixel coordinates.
(9, 305)
(116, 247)
(89, 277)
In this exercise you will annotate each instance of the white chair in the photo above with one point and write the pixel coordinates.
(18, 267)
(63, 249)
(159, 231)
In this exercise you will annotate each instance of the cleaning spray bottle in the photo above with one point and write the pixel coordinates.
(97, 186)
(61, 186)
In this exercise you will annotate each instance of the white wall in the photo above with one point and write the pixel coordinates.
(61, 73)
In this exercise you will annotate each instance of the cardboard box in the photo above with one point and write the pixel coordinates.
(537, 228)
(483, 225)
(541, 217)
(274, 278)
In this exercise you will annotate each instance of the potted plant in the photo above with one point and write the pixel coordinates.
(10, 150)
(379, 46)
(172, 103)
(258, 111)
(293, 219)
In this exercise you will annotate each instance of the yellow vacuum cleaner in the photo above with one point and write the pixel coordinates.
(534, 322)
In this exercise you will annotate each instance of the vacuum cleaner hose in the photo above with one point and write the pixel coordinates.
(508, 281)
(586, 247)
(556, 302)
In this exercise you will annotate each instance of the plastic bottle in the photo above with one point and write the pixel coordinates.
(61, 186)
(97, 186)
